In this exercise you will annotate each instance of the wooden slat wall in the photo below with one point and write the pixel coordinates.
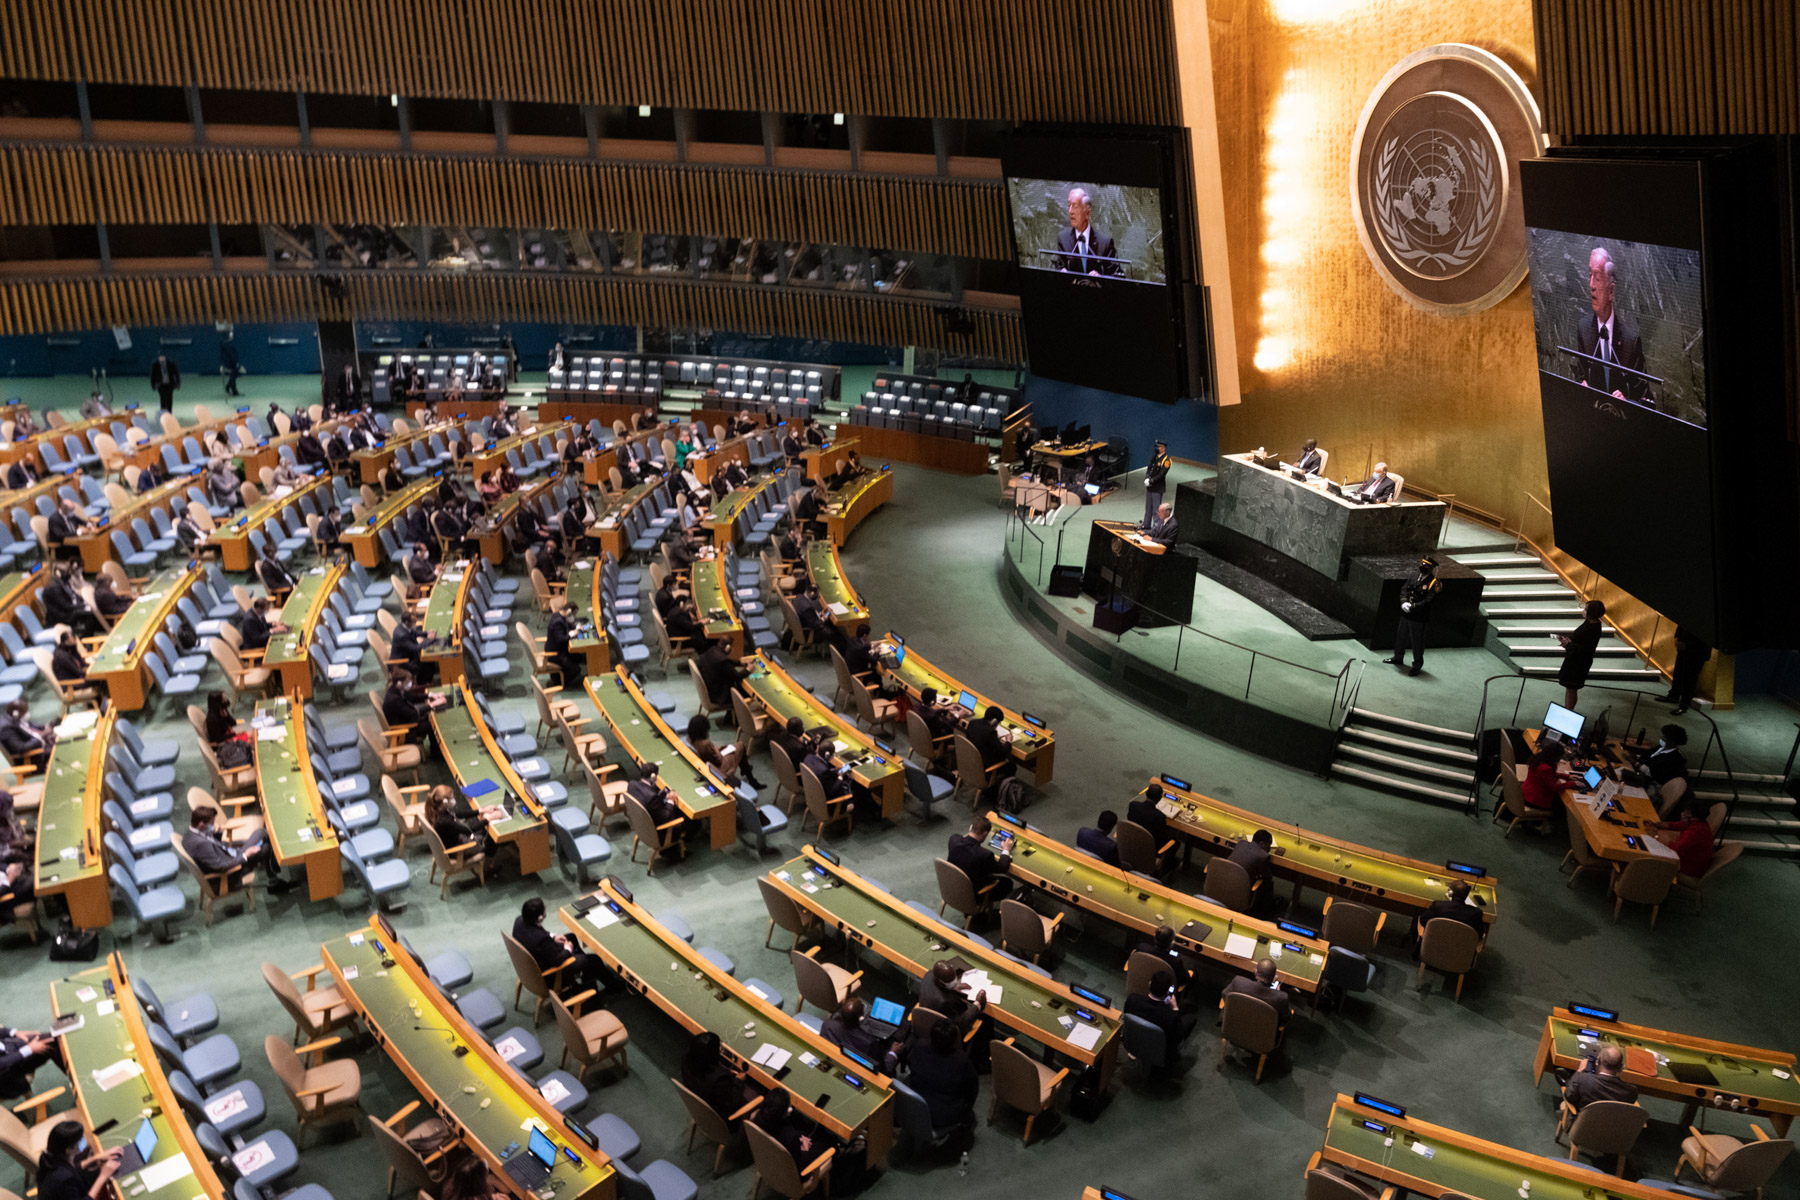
(51, 305)
(1669, 67)
(182, 185)
(979, 59)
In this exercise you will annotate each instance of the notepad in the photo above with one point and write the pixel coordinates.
(601, 916)
(111, 1076)
(1241, 945)
(1084, 1037)
(772, 1057)
(162, 1174)
(273, 733)
(480, 787)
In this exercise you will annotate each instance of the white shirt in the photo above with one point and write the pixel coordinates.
(1605, 347)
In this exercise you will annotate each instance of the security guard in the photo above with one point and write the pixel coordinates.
(1417, 595)
(1156, 480)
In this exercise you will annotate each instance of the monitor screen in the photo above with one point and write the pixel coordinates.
(1081, 227)
(1565, 721)
(1593, 778)
(887, 1011)
(899, 655)
(967, 700)
(145, 1141)
(543, 1148)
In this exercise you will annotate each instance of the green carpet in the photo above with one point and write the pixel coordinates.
(928, 565)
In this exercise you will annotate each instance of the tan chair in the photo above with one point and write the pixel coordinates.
(783, 912)
(225, 780)
(821, 984)
(929, 751)
(25, 1129)
(544, 591)
(415, 1155)
(846, 682)
(1605, 1127)
(1727, 854)
(1324, 1185)
(1355, 927)
(70, 693)
(606, 797)
(322, 1092)
(787, 779)
(395, 753)
(662, 840)
(541, 667)
(956, 890)
(240, 817)
(242, 678)
(1229, 883)
(777, 1168)
(550, 706)
(1138, 850)
(668, 649)
(1449, 946)
(871, 710)
(216, 885)
(1580, 853)
(595, 1039)
(1727, 1164)
(726, 1131)
(752, 727)
(409, 814)
(1643, 881)
(1251, 1025)
(1140, 969)
(971, 772)
(466, 859)
(826, 810)
(1023, 930)
(706, 707)
(1512, 803)
(317, 1011)
(532, 977)
(800, 636)
(1022, 1082)
(584, 748)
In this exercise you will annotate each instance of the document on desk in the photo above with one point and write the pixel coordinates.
(271, 733)
(771, 1056)
(601, 917)
(111, 1076)
(1084, 1037)
(1659, 850)
(978, 981)
(162, 1174)
(838, 609)
(1240, 945)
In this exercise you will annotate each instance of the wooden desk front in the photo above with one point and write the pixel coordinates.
(119, 662)
(643, 734)
(882, 772)
(70, 861)
(233, 540)
(364, 540)
(846, 508)
(293, 810)
(287, 653)
(1627, 818)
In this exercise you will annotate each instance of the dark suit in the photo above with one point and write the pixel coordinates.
(556, 649)
(165, 377)
(1172, 958)
(1098, 844)
(1274, 997)
(946, 1082)
(1625, 347)
(409, 646)
(254, 631)
(21, 738)
(401, 709)
(1142, 812)
(67, 664)
(980, 864)
(18, 1061)
(1585, 1087)
(275, 577)
(1377, 490)
(1163, 530)
(1176, 1025)
(985, 737)
(720, 673)
(1310, 461)
(1455, 910)
(549, 953)
(1255, 860)
(20, 475)
(1098, 243)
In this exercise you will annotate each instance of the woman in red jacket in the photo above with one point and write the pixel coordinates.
(1543, 780)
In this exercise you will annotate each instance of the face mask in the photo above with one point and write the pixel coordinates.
(81, 1146)
(1662, 745)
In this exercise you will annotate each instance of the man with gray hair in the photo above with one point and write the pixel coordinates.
(1602, 1082)
(1610, 336)
(1088, 250)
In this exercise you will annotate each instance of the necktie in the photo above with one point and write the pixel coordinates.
(1606, 354)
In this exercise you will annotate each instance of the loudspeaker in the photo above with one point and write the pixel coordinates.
(1065, 581)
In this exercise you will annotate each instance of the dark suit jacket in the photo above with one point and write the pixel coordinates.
(275, 577)
(1142, 812)
(60, 528)
(1160, 1015)
(20, 475)
(1178, 966)
(16, 1065)
(17, 740)
(986, 738)
(1628, 348)
(209, 853)
(1384, 490)
(556, 634)
(1309, 461)
(1097, 844)
(1254, 859)
(1468, 914)
(975, 860)
(253, 631)
(165, 374)
(539, 943)
(1585, 1087)
(1274, 997)
(1098, 243)
(1164, 530)
(947, 1083)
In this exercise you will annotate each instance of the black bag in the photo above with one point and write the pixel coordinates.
(1012, 794)
(69, 944)
(234, 753)
(1085, 1103)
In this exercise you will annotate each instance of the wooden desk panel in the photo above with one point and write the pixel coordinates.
(882, 772)
(643, 734)
(293, 810)
(1032, 743)
(70, 861)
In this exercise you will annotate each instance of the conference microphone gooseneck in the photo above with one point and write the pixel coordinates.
(460, 1049)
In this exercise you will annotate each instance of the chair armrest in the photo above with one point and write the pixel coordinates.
(239, 803)
(39, 1103)
(749, 1107)
(1056, 1080)
(573, 722)
(311, 975)
(671, 824)
(992, 884)
(391, 730)
(417, 787)
(1761, 1134)
(252, 655)
(1168, 846)
(398, 1118)
(558, 968)
(574, 1003)
(1381, 922)
(824, 1160)
(318, 1047)
(460, 849)
(1700, 1144)
(1057, 920)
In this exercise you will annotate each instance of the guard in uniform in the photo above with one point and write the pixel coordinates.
(1156, 480)
(1417, 595)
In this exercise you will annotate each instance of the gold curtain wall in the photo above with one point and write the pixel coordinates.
(1326, 348)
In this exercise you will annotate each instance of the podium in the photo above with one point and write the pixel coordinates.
(1135, 580)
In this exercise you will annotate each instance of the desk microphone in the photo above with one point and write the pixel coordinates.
(460, 1049)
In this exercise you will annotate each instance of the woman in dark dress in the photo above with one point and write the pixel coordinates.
(61, 1175)
(1578, 652)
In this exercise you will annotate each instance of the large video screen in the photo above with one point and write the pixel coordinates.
(1101, 230)
(1621, 317)
(1105, 279)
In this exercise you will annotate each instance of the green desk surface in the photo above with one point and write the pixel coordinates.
(725, 509)
(446, 602)
(620, 503)
(835, 591)
(311, 588)
(139, 622)
(1086, 882)
(712, 596)
(1383, 878)
(472, 761)
(252, 518)
(640, 729)
(669, 971)
(784, 698)
(486, 1098)
(393, 506)
(103, 1040)
(63, 816)
(1740, 1070)
(1030, 1002)
(583, 592)
(292, 808)
(851, 492)
(1457, 1166)
(11, 584)
(916, 674)
(412, 437)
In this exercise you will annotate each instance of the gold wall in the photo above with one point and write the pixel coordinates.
(1325, 348)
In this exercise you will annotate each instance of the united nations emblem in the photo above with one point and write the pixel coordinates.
(1433, 182)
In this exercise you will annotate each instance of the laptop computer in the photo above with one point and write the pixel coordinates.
(885, 1017)
(1695, 1073)
(135, 1154)
(1266, 460)
(530, 1169)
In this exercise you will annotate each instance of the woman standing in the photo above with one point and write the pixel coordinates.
(1578, 652)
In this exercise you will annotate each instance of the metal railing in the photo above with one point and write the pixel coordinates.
(1714, 738)
(1345, 680)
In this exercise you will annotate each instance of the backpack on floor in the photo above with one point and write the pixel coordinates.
(69, 944)
(1012, 794)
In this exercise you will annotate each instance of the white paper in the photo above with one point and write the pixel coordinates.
(338, 671)
(356, 812)
(340, 786)
(228, 1105)
(1084, 1037)
(1241, 945)
(838, 610)
(772, 1057)
(109, 1077)
(554, 1090)
(253, 1157)
(272, 733)
(543, 791)
(162, 1174)
(1657, 848)
(85, 994)
(509, 1048)
(601, 916)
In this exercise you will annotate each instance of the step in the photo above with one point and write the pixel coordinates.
(1524, 591)
(1628, 674)
(1370, 754)
(1401, 785)
(1764, 799)
(1781, 849)
(1461, 737)
(1517, 559)
(1548, 628)
(1743, 778)
(1521, 575)
(1551, 646)
(1765, 824)
(1393, 742)
(1531, 610)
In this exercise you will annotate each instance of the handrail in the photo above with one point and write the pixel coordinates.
(1714, 737)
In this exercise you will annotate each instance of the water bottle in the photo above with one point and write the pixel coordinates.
(962, 1167)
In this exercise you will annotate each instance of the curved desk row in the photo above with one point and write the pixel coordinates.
(293, 810)
(119, 662)
(657, 749)
(487, 778)
(233, 540)
(287, 653)
(70, 862)
(96, 545)
(364, 539)
(846, 508)
(1033, 745)
(875, 765)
